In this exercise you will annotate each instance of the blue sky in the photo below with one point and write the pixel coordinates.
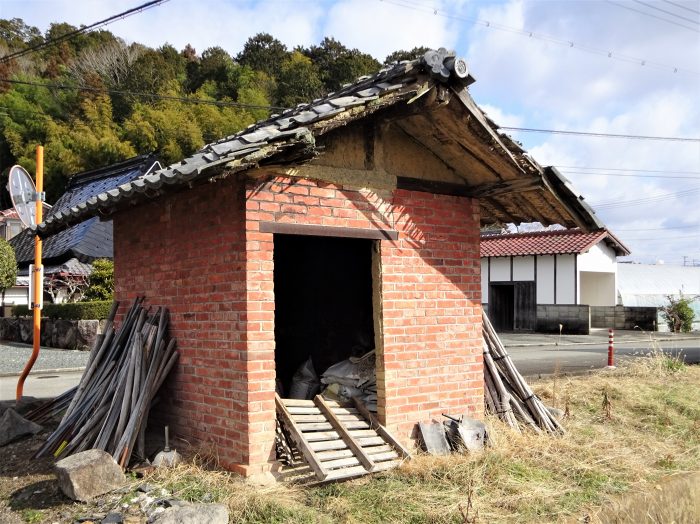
(560, 77)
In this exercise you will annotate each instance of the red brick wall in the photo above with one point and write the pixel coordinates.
(201, 253)
(430, 285)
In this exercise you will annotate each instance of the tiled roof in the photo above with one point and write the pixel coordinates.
(92, 238)
(290, 137)
(72, 266)
(568, 241)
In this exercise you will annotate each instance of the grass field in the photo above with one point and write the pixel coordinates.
(625, 430)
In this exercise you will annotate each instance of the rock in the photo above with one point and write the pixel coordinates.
(145, 488)
(194, 514)
(88, 474)
(113, 518)
(14, 426)
(556, 412)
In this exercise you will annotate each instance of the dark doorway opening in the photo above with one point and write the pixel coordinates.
(323, 302)
(513, 306)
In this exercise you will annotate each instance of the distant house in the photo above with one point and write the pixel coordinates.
(536, 281)
(650, 285)
(68, 254)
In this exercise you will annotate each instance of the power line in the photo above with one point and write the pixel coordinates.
(68, 36)
(659, 228)
(653, 16)
(630, 169)
(602, 135)
(139, 94)
(667, 12)
(675, 177)
(647, 200)
(683, 7)
(539, 36)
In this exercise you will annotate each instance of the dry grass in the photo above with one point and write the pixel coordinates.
(649, 429)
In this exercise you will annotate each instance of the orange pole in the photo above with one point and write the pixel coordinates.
(38, 284)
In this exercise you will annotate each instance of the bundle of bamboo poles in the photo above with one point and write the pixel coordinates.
(507, 394)
(110, 405)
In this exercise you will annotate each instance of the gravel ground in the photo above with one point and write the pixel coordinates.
(13, 358)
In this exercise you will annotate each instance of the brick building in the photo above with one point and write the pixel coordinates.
(352, 220)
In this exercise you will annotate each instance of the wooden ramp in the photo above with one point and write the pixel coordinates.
(339, 442)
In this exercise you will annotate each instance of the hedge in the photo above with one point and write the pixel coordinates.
(70, 311)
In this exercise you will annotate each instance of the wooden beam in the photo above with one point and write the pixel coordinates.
(480, 191)
(285, 228)
(381, 430)
(349, 440)
(299, 440)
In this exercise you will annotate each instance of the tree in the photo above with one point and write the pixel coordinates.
(64, 287)
(101, 281)
(265, 53)
(8, 265)
(339, 65)
(298, 81)
(398, 56)
(678, 314)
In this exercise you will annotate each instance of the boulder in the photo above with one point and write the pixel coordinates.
(89, 474)
(193, 514)
(14, 426)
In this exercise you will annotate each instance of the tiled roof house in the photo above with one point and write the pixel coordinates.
(539, 280)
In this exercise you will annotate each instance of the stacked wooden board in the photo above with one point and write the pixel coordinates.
(507, 394)
(109, 409)
(339, 441)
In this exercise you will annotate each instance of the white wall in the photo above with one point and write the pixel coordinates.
(524, 268)
(484, 280)
(15, 296)
(599, 258)
(545, 279)
(566, 279)
(500, 269)
(597, 289)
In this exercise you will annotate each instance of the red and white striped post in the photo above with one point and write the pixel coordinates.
(611, 348)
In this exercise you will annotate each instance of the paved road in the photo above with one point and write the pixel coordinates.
(576, 358)
(13, 358)
(40, 385)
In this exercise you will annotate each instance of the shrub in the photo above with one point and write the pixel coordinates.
(95, 310)
(101, 281)
(8, 265)
(678, 314)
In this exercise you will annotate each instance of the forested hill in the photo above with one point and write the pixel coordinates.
(93, 99)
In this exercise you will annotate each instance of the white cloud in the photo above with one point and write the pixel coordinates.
(379, 28)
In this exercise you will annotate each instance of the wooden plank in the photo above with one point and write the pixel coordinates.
(286, 228)
(316, 436)
(346, 473)
(303, 410)
(381, 430)
(326, 426)
(370, 441)
(305, 417)
(353, 444)
(378, 458)
(320, 436)
(328, 445)
(288, 402)
(334, 454)
(341, 463)
(298, 438)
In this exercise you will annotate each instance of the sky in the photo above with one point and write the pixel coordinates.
(628, 67)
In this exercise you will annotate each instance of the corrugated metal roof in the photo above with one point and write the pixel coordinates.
(568, 241)
(657, 280)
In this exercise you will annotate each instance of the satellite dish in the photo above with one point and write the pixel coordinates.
(23, 193)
